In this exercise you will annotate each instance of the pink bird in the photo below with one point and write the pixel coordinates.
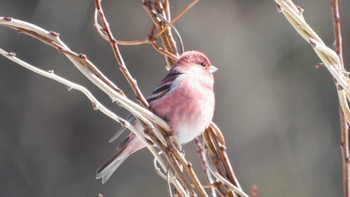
(184, 99)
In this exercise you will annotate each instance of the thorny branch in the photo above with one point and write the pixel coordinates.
(182, 176)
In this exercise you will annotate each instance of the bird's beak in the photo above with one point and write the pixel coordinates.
(213, 69)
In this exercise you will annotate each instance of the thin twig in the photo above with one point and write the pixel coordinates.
(201, 152)
(169, 185)
(221, 150)
(168, 151)
(334, 63)
(188, 168)
(98, 106)
(189, 6)
(95, 103)
(216, 146)
(166, 20)
(215, 157)
(344, 145)
(337, 30)
(100, 31)
(163, 51)
(328, 56)
(154, 9)
(114, 45)
(132, 82)
(344, 127)
(226, 182)
(80, 63)
(86, 67)
(185, 184)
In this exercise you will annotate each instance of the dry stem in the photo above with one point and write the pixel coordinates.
(81, 63)
(114, 45)
(155, 8)
(201, 152)
(95, 103)
(173, 152)
(337, 30)
(184, 179)
(334, 63)
(216, 146)
(84, 65)
(344, 127)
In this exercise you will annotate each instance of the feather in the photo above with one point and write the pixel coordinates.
(131, 120)
(165, 86)
(129, 145)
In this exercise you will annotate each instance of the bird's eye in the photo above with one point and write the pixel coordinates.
(203, 64)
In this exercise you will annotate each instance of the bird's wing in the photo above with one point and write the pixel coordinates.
(159, 92)
(165, 86)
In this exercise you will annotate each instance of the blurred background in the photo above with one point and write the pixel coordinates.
(279, 113)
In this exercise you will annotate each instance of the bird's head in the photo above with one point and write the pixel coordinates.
(196, 59)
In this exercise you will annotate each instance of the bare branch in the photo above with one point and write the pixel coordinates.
(337, 30)
(334, 63)
(328, 56)
(154, 9)
(175, 19)
(114, 45)
(201, 152)
(87, 68)
(344, 126)
(179, 171)
(226, 182)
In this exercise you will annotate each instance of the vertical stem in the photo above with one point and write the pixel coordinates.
(114, 44)
(201, 152)
(345, 153)
(343, 122)
(337, 30)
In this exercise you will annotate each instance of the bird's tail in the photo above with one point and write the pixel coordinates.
(130, 145)
(131, 119)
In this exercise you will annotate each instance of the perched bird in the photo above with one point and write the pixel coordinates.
(184, 99)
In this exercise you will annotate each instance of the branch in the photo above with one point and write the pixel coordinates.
(201, 152)
(182, 175)
(337, 30)
(161, 11)
(217, 150)
(95, 103)
(84, 65)
(344, 127)
(330, 58)
(226, 182)
(175, 19)
(114, 44)
(334, 63)
(158, 11)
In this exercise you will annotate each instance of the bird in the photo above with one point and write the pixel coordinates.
(184, 99)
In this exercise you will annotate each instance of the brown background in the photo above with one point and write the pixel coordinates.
(279, 113)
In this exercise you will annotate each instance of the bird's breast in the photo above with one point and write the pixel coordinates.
(188, 108)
